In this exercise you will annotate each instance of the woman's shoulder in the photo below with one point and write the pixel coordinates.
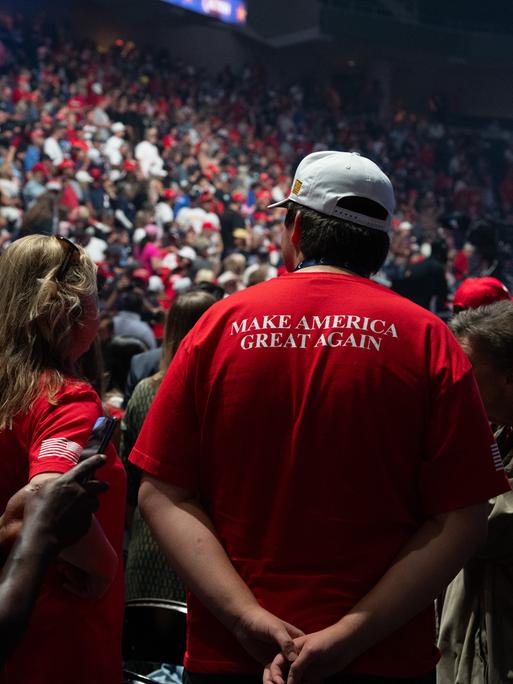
(74, 389)
(145, 389)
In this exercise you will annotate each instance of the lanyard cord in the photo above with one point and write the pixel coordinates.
(330, 262)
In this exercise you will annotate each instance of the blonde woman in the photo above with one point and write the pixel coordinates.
(48, 320)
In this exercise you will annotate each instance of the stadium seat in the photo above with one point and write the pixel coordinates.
(154, 632)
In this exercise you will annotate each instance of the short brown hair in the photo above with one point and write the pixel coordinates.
(357, 248)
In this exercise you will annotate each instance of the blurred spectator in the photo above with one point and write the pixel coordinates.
(147, 572)
(203, 168)
(476, 624)
(424, 282)
(128, 323)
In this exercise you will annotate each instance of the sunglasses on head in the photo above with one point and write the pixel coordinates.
(71, 255)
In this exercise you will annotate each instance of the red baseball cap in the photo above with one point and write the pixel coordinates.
(96, 173)
(39, 168)
(238, 197)
(475, 292)
(141, 274)
(66, 164)
(129, 165)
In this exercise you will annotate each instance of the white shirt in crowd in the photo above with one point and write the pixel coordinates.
(151, 163)
(196, 217)
(163, 214)
(112, 150)
(53, 150)
(95, 249)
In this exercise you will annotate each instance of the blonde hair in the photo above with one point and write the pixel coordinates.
(38, 315)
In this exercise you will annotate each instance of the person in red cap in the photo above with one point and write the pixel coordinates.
(312, 529)
(475, 292)
(69, 198)
(36, 185)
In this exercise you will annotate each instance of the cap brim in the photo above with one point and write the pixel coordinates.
(283, 203)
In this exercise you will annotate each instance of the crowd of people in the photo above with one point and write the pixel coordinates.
(163, 190)
(162, 172)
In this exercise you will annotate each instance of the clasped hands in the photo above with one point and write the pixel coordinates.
(302, 658)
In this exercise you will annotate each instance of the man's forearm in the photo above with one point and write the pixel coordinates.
(424, 567)
(21, 579)
(186, 535)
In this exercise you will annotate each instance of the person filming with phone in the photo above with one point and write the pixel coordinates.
(48, 320)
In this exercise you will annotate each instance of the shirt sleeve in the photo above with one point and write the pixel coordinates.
(462, 465)
(150, 338)
(168, 446)
(60, 432)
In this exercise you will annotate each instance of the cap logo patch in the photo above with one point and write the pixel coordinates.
(297, 187)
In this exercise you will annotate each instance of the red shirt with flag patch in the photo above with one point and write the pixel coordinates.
(68, 636)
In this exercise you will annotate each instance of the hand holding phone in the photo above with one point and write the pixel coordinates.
(100, 436)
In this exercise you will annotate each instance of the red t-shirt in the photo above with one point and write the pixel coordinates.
(321, 419)
(69, 639)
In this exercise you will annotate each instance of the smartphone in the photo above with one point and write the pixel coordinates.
(100, 436)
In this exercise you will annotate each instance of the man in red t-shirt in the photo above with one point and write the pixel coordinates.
(306, 468)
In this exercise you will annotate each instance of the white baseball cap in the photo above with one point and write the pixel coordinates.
(187, 253)
(324, 178)
(84, 177)
(117, 127)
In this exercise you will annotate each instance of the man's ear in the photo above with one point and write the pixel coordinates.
(296, 230)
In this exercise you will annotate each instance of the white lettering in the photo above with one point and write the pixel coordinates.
(239, 327)
(276, 339)
(350, 341)
(317, 323)
(353, 322)
(335, 339)
(268, 322)
(374, 341)
(261, 340)
(339, 322)
(375, 330)
(304, 339)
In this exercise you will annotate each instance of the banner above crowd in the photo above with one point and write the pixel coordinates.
(229, 11)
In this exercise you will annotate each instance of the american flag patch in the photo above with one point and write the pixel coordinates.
(60, 447)
(497, 458)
